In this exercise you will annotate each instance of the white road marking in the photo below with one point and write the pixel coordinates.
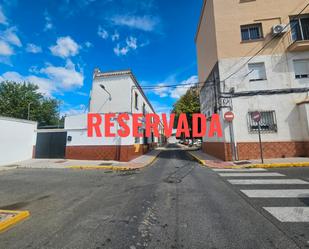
(277, 193)
(250, 174)
(289, 214)
(239, 170)
(267, 181)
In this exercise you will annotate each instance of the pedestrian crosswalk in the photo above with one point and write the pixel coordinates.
(262, 184)
(253, 174)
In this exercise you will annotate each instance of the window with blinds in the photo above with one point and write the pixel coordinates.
(301, 68)
(257, 71)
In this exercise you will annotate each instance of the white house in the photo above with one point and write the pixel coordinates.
(112, 92)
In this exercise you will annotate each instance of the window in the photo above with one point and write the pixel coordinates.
(300, 28)
(301, 68)
(268, 122)
(136, 101)
(257, 71)
(251, 32)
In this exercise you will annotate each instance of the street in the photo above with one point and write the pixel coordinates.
(174, 203)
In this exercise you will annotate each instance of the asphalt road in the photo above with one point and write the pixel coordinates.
(174, 203)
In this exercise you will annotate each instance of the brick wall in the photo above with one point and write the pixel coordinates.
(248, 151)
(273, 150)
(122, 153)
(217, 149)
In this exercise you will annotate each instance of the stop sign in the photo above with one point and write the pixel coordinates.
(229, 116)
(256, 116)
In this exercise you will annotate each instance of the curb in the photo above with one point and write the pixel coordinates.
(113, 168)
(200, 161)
(90, 167)
(278, 165)
(19, 216)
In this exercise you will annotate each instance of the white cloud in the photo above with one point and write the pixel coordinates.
(44, 84)
(3, 19)
(52, 79)
(75, 110)
(9, 35)
(145, 23)
(115, 36)
(121, 51)
(32, 48)
(65, 47)
(161, 91)
(181, 89)
(66, 77)
(48, 23)
(5, 49)
(102, 33)
(9, 40)
(176, 92)
(88, 44)
(131, 42)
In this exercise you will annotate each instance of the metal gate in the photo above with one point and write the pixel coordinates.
(50, 144)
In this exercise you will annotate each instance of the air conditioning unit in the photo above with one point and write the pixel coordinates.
(280, 29)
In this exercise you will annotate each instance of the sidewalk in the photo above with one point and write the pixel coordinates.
(213, 162)
(137, 163)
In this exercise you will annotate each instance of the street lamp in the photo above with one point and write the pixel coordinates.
(103, 87)
(29, 110)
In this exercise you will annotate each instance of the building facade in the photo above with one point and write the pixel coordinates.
(112, 92)
(253, 55)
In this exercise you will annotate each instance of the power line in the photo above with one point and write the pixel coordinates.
(264, 46)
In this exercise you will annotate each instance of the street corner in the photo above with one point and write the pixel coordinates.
(10, 218)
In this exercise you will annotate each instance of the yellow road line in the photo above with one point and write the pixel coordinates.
(18, 216)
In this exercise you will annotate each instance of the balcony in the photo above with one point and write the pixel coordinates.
(299, 46)
(300, 34)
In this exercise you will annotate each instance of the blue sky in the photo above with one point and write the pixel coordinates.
(57, 45)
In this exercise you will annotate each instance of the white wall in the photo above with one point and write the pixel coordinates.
(287, 112)
(280, 74)
(17, 138)
(122, 89)
(76, 127)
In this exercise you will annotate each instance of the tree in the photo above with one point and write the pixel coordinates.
(15, 99)
(189, 104)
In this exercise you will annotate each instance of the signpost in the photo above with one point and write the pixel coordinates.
(229, 117)
(256, 116)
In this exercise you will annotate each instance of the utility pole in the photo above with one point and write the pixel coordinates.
(29, 110)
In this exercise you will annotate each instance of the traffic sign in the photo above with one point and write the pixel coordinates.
(256, 116)
(229, 116)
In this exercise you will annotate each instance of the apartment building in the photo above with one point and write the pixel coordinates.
(112, 92)
(253, 55)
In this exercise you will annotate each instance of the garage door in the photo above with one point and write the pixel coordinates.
(50, 145)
